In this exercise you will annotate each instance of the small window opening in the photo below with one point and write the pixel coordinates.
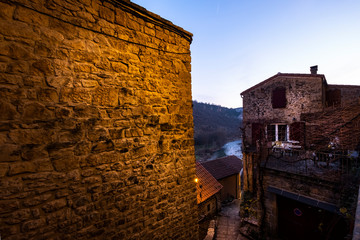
(279, 97)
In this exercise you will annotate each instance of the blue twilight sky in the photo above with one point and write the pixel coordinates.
(239, 43)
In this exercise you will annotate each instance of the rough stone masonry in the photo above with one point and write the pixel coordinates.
(96, 128)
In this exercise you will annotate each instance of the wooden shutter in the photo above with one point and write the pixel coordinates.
(297, 132)
(256, 132)
(279, 97)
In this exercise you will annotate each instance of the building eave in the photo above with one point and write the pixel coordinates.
(284, 75)
(153, 18)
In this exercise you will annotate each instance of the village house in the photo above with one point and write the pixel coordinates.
(301, 143)
(227, 171)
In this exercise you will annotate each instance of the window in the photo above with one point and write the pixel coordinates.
(208, 207)
(279, 97)
(333, 97)
(277, 132)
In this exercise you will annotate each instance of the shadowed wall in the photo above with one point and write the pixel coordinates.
(96, 128)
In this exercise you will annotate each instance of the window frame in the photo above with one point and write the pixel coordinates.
(276, 133)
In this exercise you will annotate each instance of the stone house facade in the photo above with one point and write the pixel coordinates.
(301, 143)
(96, 126)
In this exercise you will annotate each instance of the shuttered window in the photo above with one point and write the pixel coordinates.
(279, 97)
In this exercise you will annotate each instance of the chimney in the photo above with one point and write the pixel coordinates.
(314, 69)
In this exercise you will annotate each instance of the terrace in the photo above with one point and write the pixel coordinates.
(328, 165)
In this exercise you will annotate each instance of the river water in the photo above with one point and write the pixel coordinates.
(230, 148)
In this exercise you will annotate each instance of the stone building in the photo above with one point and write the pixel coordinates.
(301, 148)
(226, 170)
(96, 127)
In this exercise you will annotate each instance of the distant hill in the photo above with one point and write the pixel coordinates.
(215, 125)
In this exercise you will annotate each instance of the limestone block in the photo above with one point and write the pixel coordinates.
(120, 17)
(63, 160)
(37, 111)
(82, 148)
(117, 133)
(23, 15)
(18, 216)
(86, 16)
(8, 206)
(102, 146)
(4, 167)
(105, 97)
(30, 136)
(18, 29)
(45, 66)
(21, 167)
(7, 111)
(75, 95)
(7, 11)
(89, 83)
(43, 165)
(107, 14)
(119, 67)
(33, 225)
(16, 51)
(133, 25)
(86, 111)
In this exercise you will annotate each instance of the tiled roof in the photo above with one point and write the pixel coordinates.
(206, 185)
(224, 167)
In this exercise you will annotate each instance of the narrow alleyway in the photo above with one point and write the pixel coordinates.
(228, 222)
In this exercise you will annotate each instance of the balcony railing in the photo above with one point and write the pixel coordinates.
(327, 165)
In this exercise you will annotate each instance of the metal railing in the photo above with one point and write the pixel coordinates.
(329, 165)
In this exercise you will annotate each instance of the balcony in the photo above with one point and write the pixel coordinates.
(328, 165)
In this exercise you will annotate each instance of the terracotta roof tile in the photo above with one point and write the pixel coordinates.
(223, 167)
(207, 185)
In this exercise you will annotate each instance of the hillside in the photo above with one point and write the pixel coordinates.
(215, 125)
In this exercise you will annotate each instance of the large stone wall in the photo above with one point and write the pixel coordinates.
(96, 132)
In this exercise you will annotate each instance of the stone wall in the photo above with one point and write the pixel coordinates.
(231, 187)
(96, 128)
(303, 94)
(349, 94)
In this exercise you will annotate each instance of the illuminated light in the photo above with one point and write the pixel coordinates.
(196, 180)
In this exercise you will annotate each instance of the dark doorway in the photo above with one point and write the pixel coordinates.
(298, 221)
